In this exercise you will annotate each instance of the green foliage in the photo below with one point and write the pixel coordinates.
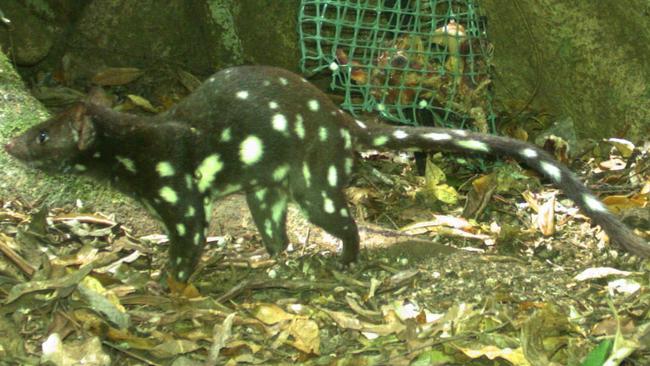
(598, 355)
(41, 7)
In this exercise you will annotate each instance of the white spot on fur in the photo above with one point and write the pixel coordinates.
(283, 81)
(207, 209)
(551, 170)
(268, 228)
(473, 145)
(313, 105)
(208, 170)
(461, 133)
(399, 134)
(348, 139)
(279, 122)
(128, 164)
(332, 176)
(593, 203)
(266, 83)
(306, 173)
(322, 133)
(360, 124)
(277, 210)
(328, 205)
(349, 163)
(80, 167)
(243, 94)
(344, 212)
(97, 155)
(379, 141)
(260, 194)
(188, 182)
(299, 127)
(197, 239)
(181, 230)
(251, 150)
(168, 194)
(273, 105)
(165, 169)
(333, 66)
(436, 136)
(528, 153)
(226, 135)
(280, 172)
(75, 135)
(191, 211)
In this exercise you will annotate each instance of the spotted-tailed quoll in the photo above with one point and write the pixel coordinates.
(269, 133)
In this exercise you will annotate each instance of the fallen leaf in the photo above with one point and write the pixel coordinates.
(116, 76)
(271, 314)
(142, 103)
(600, 272)
(546, 217)
(624, 147)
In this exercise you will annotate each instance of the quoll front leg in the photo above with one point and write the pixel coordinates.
(187, 241)
(185, 221)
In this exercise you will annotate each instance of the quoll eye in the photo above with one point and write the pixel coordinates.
(42, 137)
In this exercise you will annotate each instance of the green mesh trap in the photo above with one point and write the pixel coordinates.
(412, 61)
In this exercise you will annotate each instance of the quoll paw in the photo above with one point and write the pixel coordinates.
(182, 289)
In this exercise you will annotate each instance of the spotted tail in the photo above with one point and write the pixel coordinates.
(442, 139)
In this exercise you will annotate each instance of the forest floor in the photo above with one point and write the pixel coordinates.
(80, 287)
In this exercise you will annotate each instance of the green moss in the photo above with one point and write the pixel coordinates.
(223, 17)
(41, 7)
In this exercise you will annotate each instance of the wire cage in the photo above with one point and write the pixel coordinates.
(412, 61)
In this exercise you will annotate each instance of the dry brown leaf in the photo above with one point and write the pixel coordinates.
(306, 335)
(344, 320)
(624, 147)
(612, 165)
(116, 76)
(546, 217)
(616, 203)
(271, 314)
(142, 103)
(531, 199)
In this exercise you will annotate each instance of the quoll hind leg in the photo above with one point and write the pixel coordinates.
(329, 210)
(268, 207)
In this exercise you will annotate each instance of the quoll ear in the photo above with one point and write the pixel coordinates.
(86, 134)
(83, 127)
(98, 96)
(77, 111)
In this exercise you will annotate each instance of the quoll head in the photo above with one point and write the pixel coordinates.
(56, 143)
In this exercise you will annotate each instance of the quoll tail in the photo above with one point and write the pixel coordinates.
(442, 139)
